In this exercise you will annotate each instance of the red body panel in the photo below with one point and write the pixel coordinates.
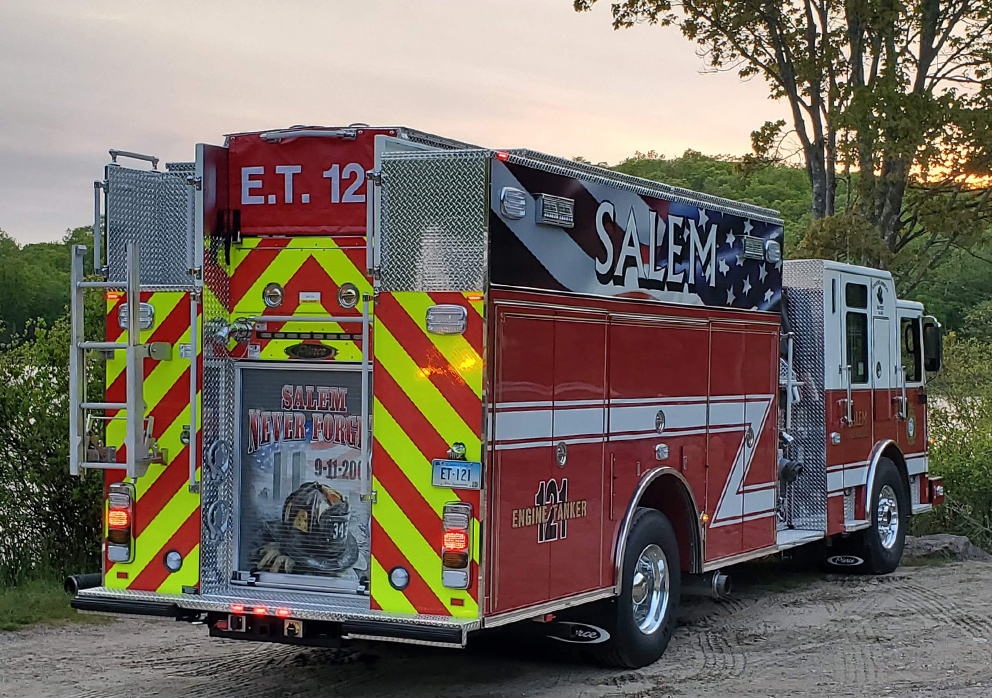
(597, 376)
(307, 195)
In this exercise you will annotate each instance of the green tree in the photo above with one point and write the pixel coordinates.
(892, 96)
(780, 187)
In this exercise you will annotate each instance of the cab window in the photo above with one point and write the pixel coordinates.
(910, 343)
(856, 331)
(857, 346)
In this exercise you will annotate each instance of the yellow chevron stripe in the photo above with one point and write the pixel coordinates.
(164, 302)
(424, 558)
(174, 583)
(455, 348)
(415, 465)
(385, 595)
(422, 392)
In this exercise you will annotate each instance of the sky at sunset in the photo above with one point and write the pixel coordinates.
(78, 78)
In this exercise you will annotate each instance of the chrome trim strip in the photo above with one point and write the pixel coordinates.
(548, 607)
(856, 526)
(876, 455)
(922, 508)
(742, 557)
(405, 641)
(698, 542)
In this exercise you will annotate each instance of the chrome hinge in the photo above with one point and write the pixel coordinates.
(195, 182)
(375, 176)
(369, 497)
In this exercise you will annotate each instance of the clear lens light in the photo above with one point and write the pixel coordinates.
(173, 561)
(273, 295)
(773, 251)
(399, 578)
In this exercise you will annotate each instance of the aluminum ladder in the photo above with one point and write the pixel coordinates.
(138, 443)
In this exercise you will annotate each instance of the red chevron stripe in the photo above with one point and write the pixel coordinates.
(473, 332)
(421, 514)
(170, 330)
(161, 492)
(412, 421)
(253, 266)
(422, 597)
(412, 502)
(183, 541)
(445, 378)
(114, 330)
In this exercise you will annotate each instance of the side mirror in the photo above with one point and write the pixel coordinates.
(933, 345)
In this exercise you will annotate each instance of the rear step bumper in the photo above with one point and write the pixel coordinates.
(313, 610)
(92, 604)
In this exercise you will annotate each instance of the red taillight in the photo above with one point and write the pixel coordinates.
(456, 541)
(237, 608)
(118, 518)
(502, 155)
(283, 613)
(259, 610)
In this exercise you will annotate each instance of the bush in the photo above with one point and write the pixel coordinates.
(50, 521)
(960, 402)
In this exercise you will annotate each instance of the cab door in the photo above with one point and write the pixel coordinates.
(853, 407)
(885, 379)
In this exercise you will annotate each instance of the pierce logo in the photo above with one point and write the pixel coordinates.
(551, 512)
(845, 560)
(577, 633)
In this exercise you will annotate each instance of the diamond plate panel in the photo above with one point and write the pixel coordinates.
(217, 486)
(302, 605)
(849, 505)
(153, 209)
(806, 498)
(433, 221)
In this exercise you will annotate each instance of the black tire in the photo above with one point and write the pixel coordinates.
(879, 559)
(628, 646)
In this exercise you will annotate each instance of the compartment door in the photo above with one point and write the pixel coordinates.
(574, 493)
(524, 460)
(302, 522)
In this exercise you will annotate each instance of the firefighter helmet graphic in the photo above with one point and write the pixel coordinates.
(312, 535)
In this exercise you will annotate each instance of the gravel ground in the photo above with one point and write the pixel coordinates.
(922, 631)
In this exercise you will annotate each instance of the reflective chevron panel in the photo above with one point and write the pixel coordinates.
(166, 513)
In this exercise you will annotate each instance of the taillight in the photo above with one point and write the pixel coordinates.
(120, 515)
(456, 545)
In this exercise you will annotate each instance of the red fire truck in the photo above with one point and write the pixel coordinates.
(387, 386)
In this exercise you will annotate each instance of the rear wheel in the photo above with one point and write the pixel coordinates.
(642, 618)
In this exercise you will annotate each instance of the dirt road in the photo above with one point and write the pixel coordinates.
(922, 631)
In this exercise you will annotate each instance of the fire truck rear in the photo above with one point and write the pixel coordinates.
(375, 384)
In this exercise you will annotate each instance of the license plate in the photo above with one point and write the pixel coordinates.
(457, 474)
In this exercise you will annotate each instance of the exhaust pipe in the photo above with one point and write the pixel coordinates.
(715, 585)
(77, 582)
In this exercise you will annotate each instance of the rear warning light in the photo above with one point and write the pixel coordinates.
(237, 608)
(456, 544)
(455, 541)
(259, 610)
(283, 613)
(120, 516)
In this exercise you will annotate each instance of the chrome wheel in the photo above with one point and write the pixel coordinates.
(887, 517)
(649, 589)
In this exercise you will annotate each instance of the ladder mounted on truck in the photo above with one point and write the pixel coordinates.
(146, 210)
(138, 442)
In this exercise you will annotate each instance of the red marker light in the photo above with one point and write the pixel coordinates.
(118, 518)
(259, 610)
(283, 613)
(502, 155)
(455, 541)
(237, 608)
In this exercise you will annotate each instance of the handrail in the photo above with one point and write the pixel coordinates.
(255, 319)
(348, 134)
(114, 154)
(97, 228)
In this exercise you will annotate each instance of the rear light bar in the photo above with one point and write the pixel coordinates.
(120, 519)
(456, 545)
